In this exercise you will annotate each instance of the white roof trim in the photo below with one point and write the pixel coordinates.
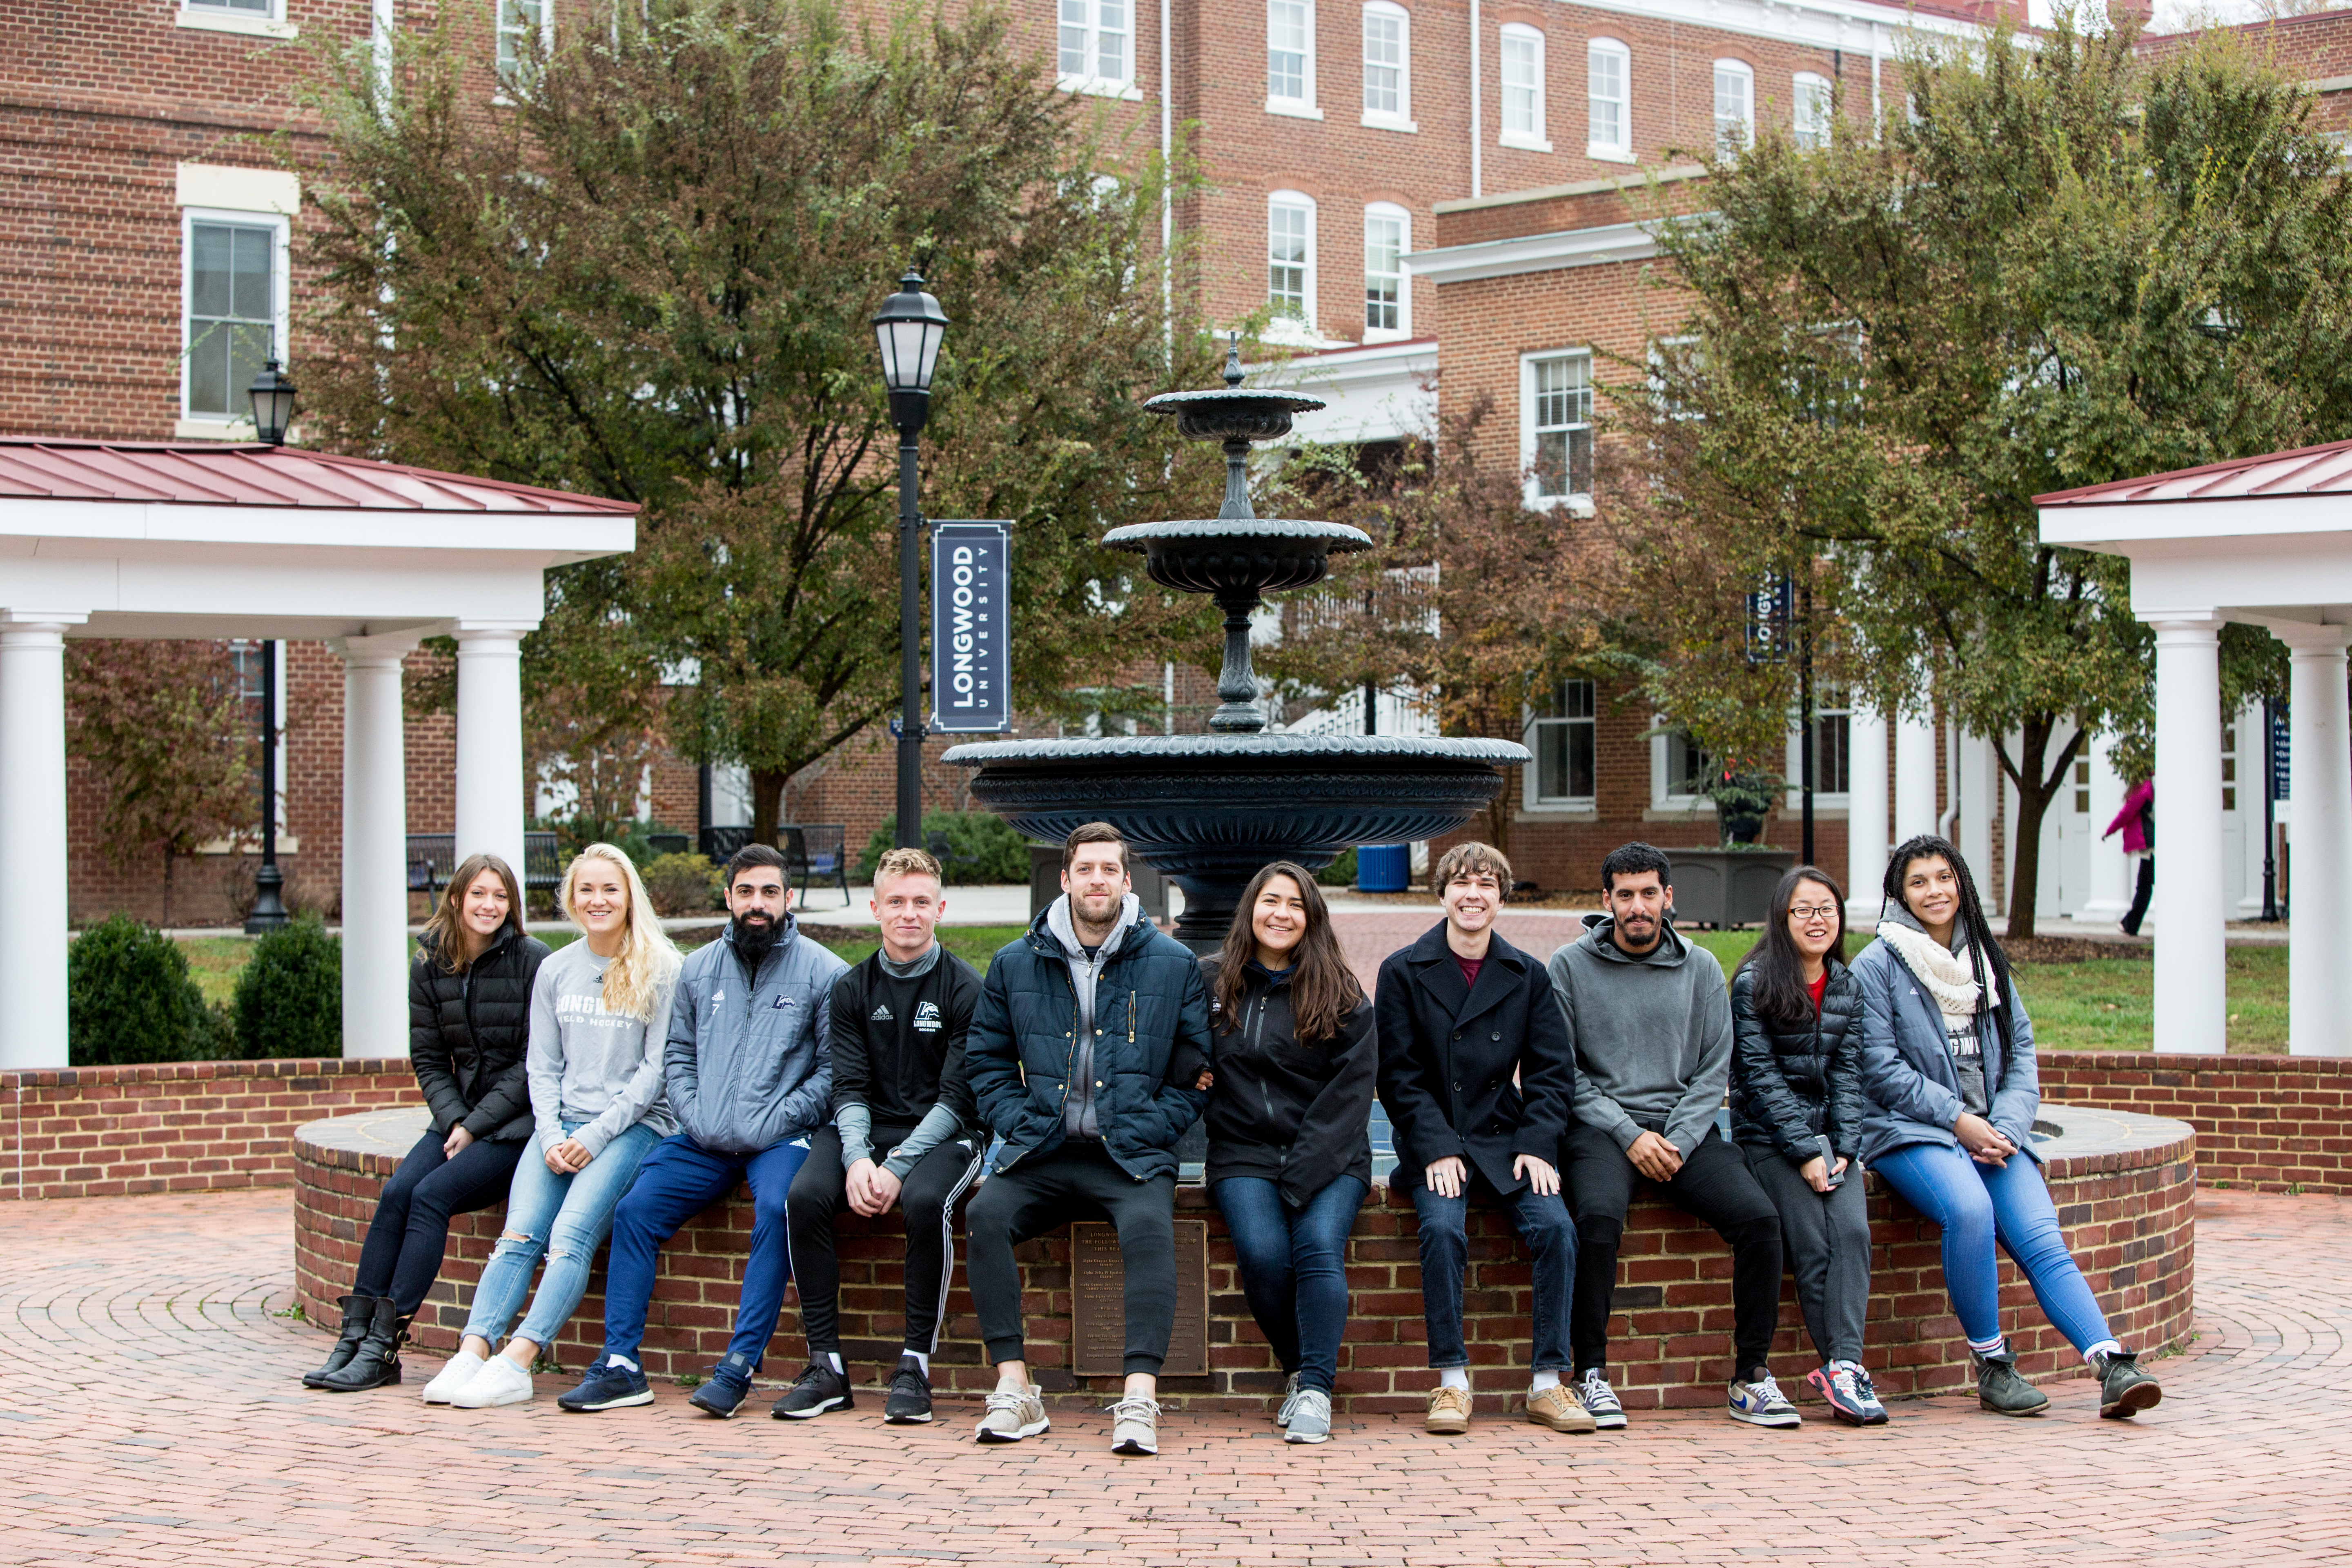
(2119, 526)
(1535, 253)
(1825, 24)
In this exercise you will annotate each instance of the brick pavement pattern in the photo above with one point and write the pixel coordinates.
(150, 1412)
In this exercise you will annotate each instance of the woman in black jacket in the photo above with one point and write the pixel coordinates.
(1293, 1064)
(1796, 1113)
(468, 1025)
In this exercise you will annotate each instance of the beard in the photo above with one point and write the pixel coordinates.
(754, 936)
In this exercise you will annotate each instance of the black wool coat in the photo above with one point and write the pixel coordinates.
(468, 1034)
(1449, 1053)
(1793, 1086)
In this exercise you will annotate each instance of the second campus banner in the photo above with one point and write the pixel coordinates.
(971, 627)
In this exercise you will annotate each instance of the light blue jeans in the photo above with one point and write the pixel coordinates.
(563, 1218)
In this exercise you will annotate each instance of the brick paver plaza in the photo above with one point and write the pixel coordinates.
(150, 1413)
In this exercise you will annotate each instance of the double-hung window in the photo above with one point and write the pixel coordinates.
(260, 19)
(1608, 98)
(1561, 734)
(1388, 311)
(1556, 421)
(1680, 770)
(1812, 100)
(232, 319)
(1735, 107)
(1388, 66)
(1523, 88)
(1290, 258)
(1290, 58)
(1098, 46)
(524, 26)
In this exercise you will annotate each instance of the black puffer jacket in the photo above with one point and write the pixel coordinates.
(1789, 1087)
(469, 1033)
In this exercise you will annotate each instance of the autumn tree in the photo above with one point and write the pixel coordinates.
(2064, 264)
(650, 275)
(166, 735)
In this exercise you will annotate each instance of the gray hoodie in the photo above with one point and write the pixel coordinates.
(1652, 1036)
(1078, 1109)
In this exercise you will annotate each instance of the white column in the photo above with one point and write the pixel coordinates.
(2190, 998)
(1978, 774)
(2319, 782)
(376, 848)
(33, 836)
(1915, 775)
(2110, 894)
(489, 740)
(1866, 813)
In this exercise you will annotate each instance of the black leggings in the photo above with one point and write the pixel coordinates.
(927, 1201)
(402, 1255)
(1077, 1181)
(1714, 1184)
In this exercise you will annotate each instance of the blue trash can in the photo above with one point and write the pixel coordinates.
(1383, 868)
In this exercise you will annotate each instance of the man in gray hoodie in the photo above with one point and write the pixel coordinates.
(1650, 1020)
(749, 1071)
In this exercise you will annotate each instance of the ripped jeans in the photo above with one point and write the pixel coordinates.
(565, 1218)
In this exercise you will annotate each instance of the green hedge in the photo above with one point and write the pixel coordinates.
(290, 998)
(1341, 872)
(129, 999)
(1002, 854)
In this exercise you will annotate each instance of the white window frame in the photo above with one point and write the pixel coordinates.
(1740, 72)
(1401, 119)
(1091, 29)
(1389, 212)
(501, 32)
(1537, 140)
(1578, 502)
(1283, 328)
(213, 16)
(1812, 117)
(1531, 796)
(211, 426)
(1828, 702)
(1665, 733)
(1302, 106)
(1622, 150)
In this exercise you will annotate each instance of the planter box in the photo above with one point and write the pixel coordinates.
(1718, 887)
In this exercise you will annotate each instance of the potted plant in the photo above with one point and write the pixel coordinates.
(1742, 795)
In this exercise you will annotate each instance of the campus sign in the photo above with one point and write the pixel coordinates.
(971, 625)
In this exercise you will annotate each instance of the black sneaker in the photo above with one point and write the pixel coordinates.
(609, 1385)
(723, 1393)
(2124, 1389)
(2001, 1390)
(910, 1395)
(818, 1389)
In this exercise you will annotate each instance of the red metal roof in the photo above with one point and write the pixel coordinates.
(2308, 470)
(215, 473)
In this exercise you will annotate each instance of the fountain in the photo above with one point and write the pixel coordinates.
(1209, 810)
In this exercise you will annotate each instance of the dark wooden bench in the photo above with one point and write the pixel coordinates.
(432, 860)
(814, 852)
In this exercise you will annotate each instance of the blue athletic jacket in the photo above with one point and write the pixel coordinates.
(1911, 1093)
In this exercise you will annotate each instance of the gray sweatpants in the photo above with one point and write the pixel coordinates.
(1827, 1238)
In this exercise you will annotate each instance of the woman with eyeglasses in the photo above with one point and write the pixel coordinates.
(1796, 1113)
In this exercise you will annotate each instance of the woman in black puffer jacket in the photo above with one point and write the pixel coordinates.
(1796, 1113)
(468, 1026)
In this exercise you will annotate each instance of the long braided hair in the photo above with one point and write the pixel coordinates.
(1982, 949)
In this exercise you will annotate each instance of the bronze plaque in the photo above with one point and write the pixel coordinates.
(1099, 1300)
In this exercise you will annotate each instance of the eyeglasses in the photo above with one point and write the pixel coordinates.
(1814, 911)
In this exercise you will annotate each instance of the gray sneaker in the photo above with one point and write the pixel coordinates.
(1135, 1426)
(1311, 1417)
(1289, 1400)
(2001, 1390)
(1011, 1416)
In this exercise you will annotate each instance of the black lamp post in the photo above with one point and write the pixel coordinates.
(909, 330)
(272, 392)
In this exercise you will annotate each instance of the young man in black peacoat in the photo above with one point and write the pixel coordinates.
(1479, 1083)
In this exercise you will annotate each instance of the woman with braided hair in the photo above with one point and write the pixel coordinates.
(1950, 1093)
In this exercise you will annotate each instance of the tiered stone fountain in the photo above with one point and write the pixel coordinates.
(1209, 810)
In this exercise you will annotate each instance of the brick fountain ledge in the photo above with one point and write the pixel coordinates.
(2125, 1186)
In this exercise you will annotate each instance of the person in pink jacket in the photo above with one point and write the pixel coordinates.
(2136, 821)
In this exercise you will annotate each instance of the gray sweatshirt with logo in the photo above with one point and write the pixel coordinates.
(587, 1063)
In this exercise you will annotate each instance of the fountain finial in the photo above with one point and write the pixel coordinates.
(1234, 359)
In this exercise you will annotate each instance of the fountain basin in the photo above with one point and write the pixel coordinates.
(1219, 556)
(1210, 810)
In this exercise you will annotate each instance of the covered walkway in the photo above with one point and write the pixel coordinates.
(212, 541)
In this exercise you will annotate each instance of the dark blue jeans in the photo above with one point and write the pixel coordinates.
(1542, 1223)
(1294, 1265)
(402, 1255)
(679, 1180)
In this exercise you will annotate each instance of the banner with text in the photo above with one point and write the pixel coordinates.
(971, 625)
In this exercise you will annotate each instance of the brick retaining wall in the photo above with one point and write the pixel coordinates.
(2129, 1218)
(171, 1126)
(2273, 1123)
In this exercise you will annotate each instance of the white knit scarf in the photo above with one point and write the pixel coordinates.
(1948, 976)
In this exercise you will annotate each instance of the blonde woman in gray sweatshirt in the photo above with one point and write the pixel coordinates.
(599, 1014)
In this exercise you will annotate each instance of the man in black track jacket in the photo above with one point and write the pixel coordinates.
(903, 1132)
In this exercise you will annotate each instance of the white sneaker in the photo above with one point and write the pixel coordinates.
(1135, 1426)
(500, 1382)
(452, 1377)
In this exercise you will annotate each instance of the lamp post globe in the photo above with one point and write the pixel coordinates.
(272, 395)
(908, 330)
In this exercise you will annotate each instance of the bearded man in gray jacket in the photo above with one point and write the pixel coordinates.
(1650, 1021)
